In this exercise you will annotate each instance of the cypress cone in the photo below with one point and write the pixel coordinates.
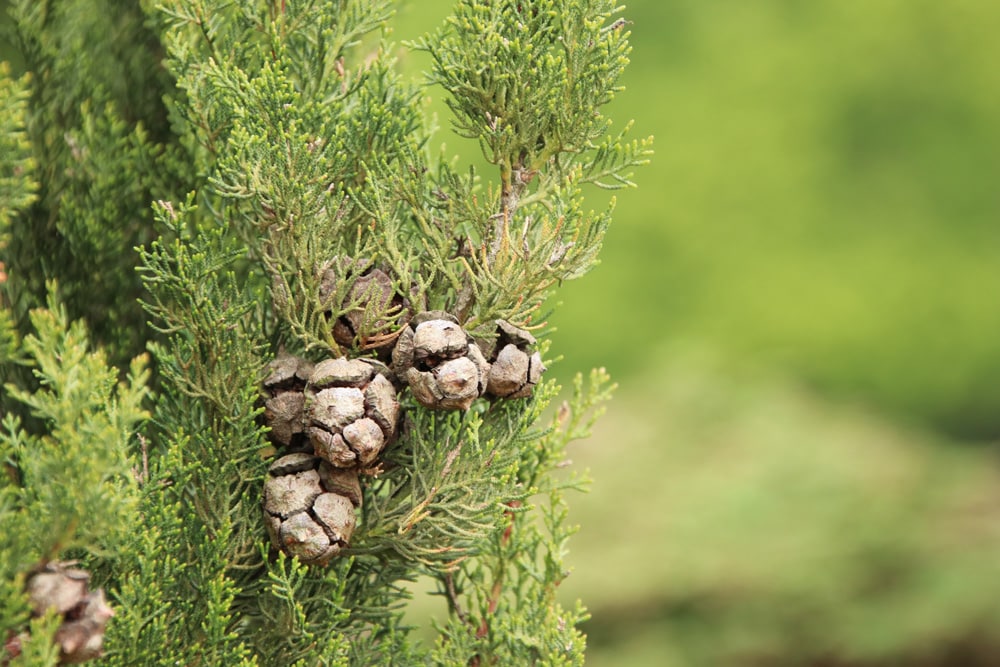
(60, 586)
(440, 362)
(309, 507)
(351, 411)
(515, 367)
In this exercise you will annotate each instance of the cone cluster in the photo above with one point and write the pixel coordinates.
(334, 418)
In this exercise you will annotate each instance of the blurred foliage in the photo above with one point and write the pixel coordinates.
(774, 528)
(823, 197)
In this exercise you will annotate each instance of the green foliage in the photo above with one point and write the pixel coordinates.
(569, 58)
(524, 560)
(527, 80)
(17, 187)
(96, 125)
(76, 475)
(233, 184)
(68, 487)
(37, 647)
(90, 421)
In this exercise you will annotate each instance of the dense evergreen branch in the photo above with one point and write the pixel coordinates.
(295, 200)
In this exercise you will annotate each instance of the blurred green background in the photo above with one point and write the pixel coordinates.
(800, 303)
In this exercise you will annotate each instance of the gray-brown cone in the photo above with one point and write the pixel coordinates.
(440, 362)
(375, 309)
(85, 613)
(309, 507)
(351, 411)
(284, 399)
(515, 367)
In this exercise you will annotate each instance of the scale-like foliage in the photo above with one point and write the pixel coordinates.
(17, 188)
(69, 486)
(97, 127)
(527, 81)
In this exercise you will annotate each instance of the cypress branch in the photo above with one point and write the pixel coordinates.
(259, 184)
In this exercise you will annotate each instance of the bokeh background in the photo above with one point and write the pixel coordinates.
(801, 305)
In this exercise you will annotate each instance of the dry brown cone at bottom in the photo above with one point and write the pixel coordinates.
(62, 587)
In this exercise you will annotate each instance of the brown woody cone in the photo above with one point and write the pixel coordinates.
(309, 507)
(351, 410)
(284, 402)
(515, 367)
(440, 362)
(62, 587)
